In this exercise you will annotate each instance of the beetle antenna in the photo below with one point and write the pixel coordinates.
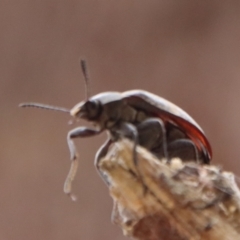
(44, 106)
(83, 64)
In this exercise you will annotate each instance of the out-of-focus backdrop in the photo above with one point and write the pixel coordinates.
(185, 51)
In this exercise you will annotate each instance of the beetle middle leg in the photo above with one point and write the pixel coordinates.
(124, 129)
(130, 131)
(152, 136)
(99, 155)
(75, 133)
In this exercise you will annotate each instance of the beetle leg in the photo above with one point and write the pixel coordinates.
(77, 132)
(185, 149)
(152, 136)
(130, 131)
(99, 155)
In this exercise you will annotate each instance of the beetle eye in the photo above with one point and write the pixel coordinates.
(92, 109)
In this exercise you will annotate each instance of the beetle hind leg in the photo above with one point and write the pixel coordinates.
(184, 149)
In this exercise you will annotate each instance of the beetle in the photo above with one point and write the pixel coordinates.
(149, 120)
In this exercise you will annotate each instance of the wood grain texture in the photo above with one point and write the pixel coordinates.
(155, 200)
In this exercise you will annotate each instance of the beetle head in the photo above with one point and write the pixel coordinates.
(89, 110)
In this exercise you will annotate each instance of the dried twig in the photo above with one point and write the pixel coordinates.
(156, 200)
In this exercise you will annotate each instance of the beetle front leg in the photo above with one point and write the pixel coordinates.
(77, 132)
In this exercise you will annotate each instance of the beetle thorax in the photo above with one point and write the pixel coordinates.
(116, 112)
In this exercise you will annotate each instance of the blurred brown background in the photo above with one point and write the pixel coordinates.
(185, 51)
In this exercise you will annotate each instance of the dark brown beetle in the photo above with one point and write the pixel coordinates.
(116, 111)
(145, 118)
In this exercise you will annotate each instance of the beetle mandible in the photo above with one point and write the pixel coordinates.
(145, 118)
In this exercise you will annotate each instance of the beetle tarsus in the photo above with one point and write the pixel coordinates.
(70, 177)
